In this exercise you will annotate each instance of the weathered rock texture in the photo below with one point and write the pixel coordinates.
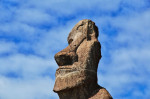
(76, 77)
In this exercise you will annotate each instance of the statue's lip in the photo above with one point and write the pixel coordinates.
(68, 67)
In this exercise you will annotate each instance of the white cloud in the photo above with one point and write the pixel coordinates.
(34, 16)
(7, 47)
(16, 29)
(38, 88)
(24, 65)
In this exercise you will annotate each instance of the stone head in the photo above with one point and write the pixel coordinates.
(78, 62)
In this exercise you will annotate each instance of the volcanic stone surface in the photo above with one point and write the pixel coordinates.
(76, 77)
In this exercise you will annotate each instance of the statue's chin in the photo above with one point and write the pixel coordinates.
(68, 81)
(72, 79)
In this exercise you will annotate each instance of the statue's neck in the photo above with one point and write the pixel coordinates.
(80, 92)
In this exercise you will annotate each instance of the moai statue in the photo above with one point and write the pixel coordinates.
(76, 77)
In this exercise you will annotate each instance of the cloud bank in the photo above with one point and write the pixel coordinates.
(31, 32)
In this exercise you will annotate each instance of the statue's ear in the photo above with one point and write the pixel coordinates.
(92, 32)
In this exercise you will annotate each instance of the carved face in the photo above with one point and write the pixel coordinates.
(79, 61)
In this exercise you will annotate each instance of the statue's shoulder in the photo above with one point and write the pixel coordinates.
(102, 93)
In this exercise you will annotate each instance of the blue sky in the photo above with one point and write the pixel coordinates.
(32, 31)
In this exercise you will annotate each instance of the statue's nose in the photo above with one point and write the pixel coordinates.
(66, 58)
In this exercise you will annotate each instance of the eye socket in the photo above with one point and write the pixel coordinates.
(80, 26)
(70, 41)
